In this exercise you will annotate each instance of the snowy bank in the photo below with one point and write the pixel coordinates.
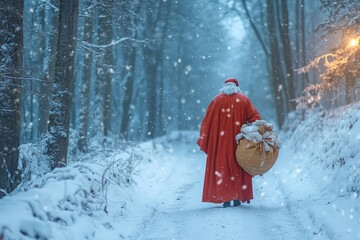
(102, 195)
(327, 143)
(319, 171)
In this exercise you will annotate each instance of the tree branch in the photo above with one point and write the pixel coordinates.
(253, 26)
(113, 43)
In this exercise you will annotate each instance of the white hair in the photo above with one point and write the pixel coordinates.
(230, 88)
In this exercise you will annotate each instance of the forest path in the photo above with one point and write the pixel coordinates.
(180, 213)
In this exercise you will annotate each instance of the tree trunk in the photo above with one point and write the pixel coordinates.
(150, 78)
(58, 135)
(180, 95)
(128, 92)
(150, 67)
(44, 84)
(130, 60)
(85, 82)
(11, 42)
(109, 60)
(305, 77)
(287, 53)
(349, 86)
(46, 87)
(29, 62)
(104, 70)
(162, 128)
(32, 112)
(350, 77)
(152, 58)
(276, 71)
(283, 82)
(297, 45)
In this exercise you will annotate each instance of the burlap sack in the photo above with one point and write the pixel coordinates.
(253, 158)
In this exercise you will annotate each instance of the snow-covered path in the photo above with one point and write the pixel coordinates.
(180, 213)
(290, 202)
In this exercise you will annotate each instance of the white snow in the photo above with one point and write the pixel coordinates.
(310, 193)
(251, 133)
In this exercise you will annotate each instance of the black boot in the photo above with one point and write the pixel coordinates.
(237, 203)
(226, 204)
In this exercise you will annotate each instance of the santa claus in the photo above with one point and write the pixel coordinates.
(225, 180)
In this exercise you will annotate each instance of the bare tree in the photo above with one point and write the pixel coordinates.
(86, 78)
(269, 42)
(58, 133)
(276, 70)
(152, 56)
(305, 77)
(285, 39)
(162, 128)
(11, 53)
(104, 66)
(49, 68)
(130, 29)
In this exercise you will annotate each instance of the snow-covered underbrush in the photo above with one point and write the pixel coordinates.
(319, 171)
(91, 198)
(327, 147)
(99, 195)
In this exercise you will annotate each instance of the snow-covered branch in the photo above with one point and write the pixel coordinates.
(56, 9)
(342, 63)
(113, 43)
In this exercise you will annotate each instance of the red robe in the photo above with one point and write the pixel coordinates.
(225, 180)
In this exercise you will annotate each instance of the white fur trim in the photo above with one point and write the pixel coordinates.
(230, 88)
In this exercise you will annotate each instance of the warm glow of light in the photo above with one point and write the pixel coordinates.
(353, 42)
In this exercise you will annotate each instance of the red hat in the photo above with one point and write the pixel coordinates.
(232, 80)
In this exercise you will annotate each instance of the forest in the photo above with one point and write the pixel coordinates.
(84, 77)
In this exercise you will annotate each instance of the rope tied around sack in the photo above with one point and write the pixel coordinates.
(259, 131)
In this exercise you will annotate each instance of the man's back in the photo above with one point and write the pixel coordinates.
(225, 180)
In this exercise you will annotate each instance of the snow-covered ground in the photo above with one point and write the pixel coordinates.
(153, 191)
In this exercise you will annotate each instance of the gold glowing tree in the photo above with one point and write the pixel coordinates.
(338, 68)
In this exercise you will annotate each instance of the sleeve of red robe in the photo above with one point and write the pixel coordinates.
(252, 113)
(212, 118)
(203, 139)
